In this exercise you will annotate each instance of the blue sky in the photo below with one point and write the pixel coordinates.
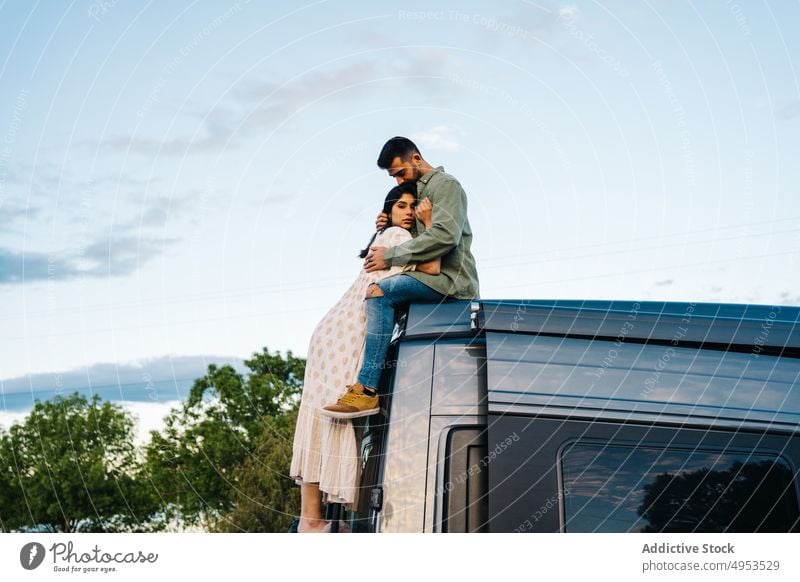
(185, 179)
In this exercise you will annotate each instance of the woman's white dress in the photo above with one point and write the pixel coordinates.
(324, 449)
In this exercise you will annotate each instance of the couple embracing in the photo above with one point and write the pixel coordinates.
(419, 254)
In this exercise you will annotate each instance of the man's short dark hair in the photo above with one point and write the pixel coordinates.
(397, 147)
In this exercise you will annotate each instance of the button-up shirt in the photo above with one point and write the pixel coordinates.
(449, 237)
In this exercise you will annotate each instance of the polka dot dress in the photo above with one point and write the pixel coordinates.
(325, 449)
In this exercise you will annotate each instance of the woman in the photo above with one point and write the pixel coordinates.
(325, 457)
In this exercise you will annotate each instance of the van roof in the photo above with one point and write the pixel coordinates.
(771, 329)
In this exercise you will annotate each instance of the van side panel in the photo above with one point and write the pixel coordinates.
(630, 381)
(457, 479)
(405, 470)
(547, 393)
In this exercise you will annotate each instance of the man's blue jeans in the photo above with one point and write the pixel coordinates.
(398, 291)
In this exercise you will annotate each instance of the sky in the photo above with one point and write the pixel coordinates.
(192, 180)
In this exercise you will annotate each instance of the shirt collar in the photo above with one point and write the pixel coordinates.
(426, 177)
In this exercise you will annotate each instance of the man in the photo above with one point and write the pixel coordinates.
(449, 238)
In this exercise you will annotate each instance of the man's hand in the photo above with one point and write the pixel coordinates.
(374, 260)
(424, 211)
(381, 221)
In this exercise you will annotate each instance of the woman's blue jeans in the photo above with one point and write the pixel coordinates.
(398, 291)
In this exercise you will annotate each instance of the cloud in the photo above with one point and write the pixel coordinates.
(68, 200)
(166, 374)
(157, 210)
(16, 267)
(149, 416)
(22, 191)
(121, 255)
(160, 210)
(790, 298)
(114, 256)
(569, 12)
(789, 112)
(9, 418)
(440, 137)
(148, 389)
(80, 214)
(127, 180)
(10, 214)
(260, 106)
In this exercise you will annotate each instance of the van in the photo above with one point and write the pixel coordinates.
(586, 416)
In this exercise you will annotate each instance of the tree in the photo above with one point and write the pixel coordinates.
(8, 496)
(194, 462)
(758, 496)
(267, 499)
(72, 466)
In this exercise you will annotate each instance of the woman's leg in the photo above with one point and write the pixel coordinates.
(311, 518)
(392, 292)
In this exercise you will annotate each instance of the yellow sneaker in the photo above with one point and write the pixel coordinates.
(353, 404)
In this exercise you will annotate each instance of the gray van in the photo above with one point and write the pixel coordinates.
(586, 416)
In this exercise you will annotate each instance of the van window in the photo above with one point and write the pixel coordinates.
(611, 488)
(464, 491)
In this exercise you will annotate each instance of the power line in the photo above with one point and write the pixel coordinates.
(488, 262)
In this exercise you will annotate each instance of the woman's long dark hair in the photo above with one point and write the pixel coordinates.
(392, 197)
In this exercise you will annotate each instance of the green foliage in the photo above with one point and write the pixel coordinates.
(195, 462)
(72, 466)
(221, 461)
(743, 497)
(267, 499)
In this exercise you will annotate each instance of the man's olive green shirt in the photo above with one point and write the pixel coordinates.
(449, 237)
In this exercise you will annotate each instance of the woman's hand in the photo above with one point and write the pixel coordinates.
(381, 221)
(424, 212)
